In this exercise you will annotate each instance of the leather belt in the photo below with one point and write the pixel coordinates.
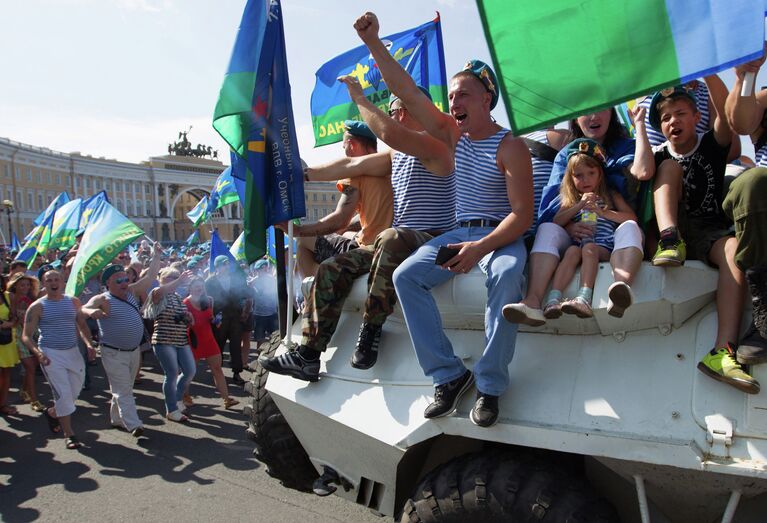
(117, 348)
(479, 223)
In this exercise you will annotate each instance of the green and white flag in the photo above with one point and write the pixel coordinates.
(238, 247)
(560, 59)
(107, 234)
(66, 223)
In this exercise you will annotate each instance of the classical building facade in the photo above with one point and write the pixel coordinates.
(156, 194)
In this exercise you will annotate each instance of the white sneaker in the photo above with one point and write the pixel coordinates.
(521, 313)
(620, 299)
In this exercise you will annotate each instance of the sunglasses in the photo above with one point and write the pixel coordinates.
(394, 110)
(122, 280)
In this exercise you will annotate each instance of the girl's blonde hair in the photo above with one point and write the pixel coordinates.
(569, 195)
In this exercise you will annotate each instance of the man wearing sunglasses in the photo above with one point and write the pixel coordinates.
(121, 330)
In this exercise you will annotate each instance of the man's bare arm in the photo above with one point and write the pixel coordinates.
(438, 124)
(338, 219)
(376, 164)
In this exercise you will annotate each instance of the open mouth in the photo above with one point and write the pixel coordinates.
(675, 132)
(595, 126)
(460, 117)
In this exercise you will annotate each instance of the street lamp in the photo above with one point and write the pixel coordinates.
(8, 208)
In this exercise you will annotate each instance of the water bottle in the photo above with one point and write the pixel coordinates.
(589, 218)
(217, 319)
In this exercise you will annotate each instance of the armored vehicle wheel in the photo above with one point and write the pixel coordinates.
(505, 485)
(276, 444)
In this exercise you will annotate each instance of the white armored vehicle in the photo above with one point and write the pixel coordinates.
(605, 420)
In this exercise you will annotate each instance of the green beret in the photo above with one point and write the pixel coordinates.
(191, 264)
(109, 271)
(360, 129)
(664, 94)
(587, 147)
(485, 75)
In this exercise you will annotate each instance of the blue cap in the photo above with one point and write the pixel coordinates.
(361, 129)
(259, 264)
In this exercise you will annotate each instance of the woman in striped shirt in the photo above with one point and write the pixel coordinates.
(170, 341)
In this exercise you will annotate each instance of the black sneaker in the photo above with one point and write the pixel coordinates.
(485, 411)
(446, 396)
(237, 379)
(753, 348)
(292, 364)
(366, 354)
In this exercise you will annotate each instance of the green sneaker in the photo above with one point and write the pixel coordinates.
(721, 365)
(670, 254)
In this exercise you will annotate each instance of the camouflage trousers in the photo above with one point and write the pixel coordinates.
(335, 278)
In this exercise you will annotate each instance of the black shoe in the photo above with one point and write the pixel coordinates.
(485, 411)
(753, 348)
(237, 380)
(137, 432)
(446, 396)
(366, 354)
(292, 364)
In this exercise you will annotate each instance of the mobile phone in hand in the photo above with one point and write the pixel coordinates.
(445, 254)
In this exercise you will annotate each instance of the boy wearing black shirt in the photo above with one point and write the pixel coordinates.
(688, 196)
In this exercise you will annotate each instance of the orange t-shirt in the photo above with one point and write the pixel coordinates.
(375, 205)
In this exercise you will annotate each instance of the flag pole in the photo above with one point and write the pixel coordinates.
(290, 288)
(282, 295)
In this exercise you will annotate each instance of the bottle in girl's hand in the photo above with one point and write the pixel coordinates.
(589, 218)
(217, 319)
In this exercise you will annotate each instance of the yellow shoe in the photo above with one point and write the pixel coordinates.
(720, 364)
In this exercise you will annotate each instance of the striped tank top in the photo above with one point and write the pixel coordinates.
(701, 100)
(167, 331)
(541, 174)
(123, 328)
(480, 186)
(760, 156)
(58, 324)
(422, 200)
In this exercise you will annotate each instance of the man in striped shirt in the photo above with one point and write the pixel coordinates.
(121, 330)
(424, 194)
(494, 208)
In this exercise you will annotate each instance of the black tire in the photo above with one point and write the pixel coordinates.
(277, 446)
(506, 485)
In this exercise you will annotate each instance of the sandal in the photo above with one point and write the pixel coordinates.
(177, 416)
(188, 401)
(8, 410)
(37, 406)
(53, 423)
(230, 402)
(25, 397)
(73, 443)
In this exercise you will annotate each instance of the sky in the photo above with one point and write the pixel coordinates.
(121, 78)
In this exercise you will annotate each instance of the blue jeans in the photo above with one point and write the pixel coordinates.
(414, 280)
(173, 357)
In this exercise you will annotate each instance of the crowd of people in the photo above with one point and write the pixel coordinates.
(166, 303)
(465, 192)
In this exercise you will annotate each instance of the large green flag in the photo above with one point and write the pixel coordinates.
(107, 234)
(558, 59)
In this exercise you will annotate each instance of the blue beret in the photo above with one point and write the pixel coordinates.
(220, 260)
(260, 263)
(485, 75)
(361, 129)
(671, 92)
(587, 147)
(109, 271)
(393, 98)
